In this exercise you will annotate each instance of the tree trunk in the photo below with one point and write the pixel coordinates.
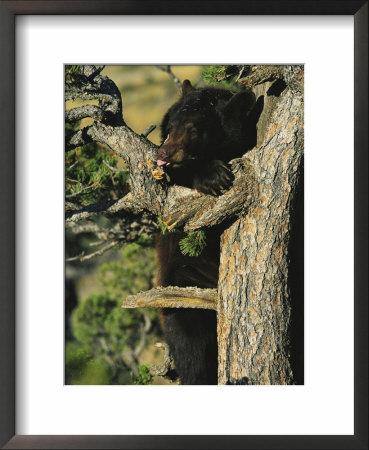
(254, 309)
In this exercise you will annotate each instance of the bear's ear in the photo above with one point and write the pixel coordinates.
(240, 104)
(187, 88)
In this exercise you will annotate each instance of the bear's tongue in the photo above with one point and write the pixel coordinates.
(160, 162)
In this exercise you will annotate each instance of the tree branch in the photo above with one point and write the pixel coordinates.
(81, 112)
(167, 369)
(83, 257)
(90, 85)
(129, 228)
(77, 139)
(168, 70)
(106, 207)
(83, 190)
(140, 155)
(91, 71)
(196, 210)
(113, 169)
(261, 74)
(173, 297)
(144, 329)
(291, 74)
(148, 130)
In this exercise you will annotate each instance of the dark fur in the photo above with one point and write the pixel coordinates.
(203, 130)
(206, 128)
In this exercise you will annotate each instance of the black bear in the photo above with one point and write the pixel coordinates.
(201, 132)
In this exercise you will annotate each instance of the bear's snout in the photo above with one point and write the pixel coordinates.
(162, 154)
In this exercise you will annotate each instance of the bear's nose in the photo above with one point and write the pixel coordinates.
(162, 154)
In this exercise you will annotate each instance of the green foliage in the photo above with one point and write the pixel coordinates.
(144, 376)
(91, 170)
(193, 244)
(213, 74)
(102, 328)
(130, 274)
(145, 241)
(81, 368)
(97, 324)
(76, 69)
(71, 72)
(164, 228)
(99, 319)
(224, 76)
(76, 358)
(88, 177)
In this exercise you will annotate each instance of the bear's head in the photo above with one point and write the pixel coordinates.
(188, 129)
(198, 126)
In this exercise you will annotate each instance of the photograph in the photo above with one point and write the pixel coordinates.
(184, 224)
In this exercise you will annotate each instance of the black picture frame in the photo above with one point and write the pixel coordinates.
(8, 11)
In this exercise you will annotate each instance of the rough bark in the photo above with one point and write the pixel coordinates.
(173, 297)
(254, 307)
